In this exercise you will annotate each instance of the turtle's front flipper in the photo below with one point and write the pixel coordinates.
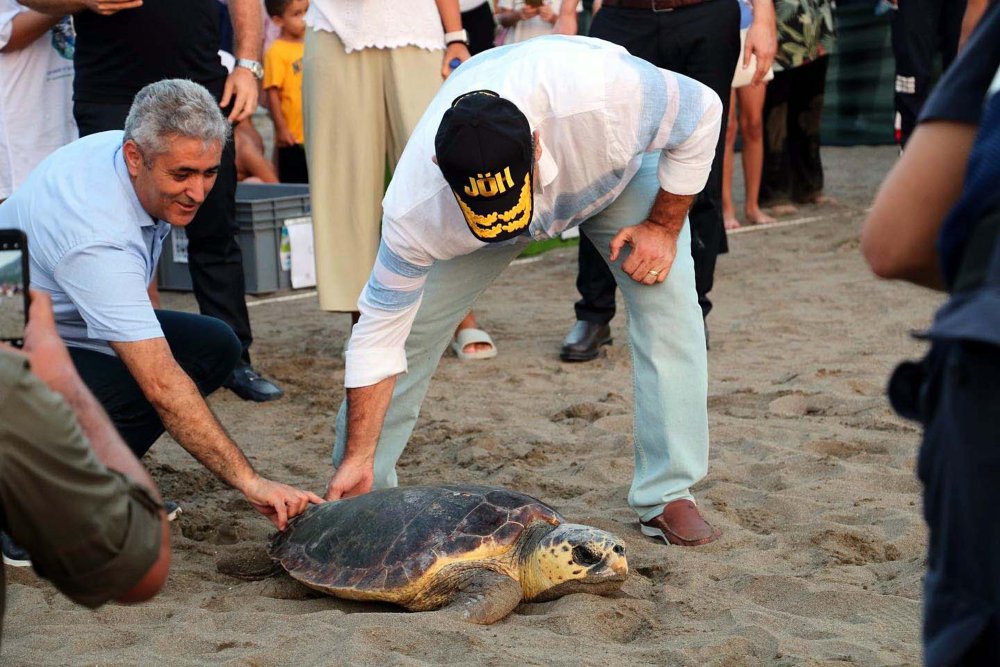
(247, 563)
(484, 597)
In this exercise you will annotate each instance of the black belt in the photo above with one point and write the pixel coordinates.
(653, 5)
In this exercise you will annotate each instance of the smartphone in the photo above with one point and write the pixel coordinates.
(534, 3)
(13, 285)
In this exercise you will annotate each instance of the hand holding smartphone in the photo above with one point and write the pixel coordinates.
(13, 286)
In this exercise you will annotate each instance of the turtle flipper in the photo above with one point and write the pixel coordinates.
(484, 597)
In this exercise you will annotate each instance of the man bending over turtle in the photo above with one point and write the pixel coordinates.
(530, 140)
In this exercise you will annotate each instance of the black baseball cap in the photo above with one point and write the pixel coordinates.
(485, 152)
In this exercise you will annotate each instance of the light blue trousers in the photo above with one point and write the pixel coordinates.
(666, 333)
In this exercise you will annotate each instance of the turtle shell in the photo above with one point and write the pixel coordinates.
(380, 544)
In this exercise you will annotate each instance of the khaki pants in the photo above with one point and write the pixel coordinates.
(359, 109)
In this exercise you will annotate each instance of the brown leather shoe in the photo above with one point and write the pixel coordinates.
(681, 523)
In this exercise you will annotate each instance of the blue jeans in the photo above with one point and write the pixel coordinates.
(666, 334)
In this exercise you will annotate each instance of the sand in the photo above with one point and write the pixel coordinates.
(811, 481)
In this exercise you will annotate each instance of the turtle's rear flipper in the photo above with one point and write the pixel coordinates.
(484, 597)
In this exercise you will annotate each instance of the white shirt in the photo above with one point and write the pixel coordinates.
(379, 24)
(36, 98)
(597, 110)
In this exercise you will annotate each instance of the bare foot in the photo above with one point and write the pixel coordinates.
(470, 323)
(824, 200)
(783, 209)
(758, 217)
(730, 222)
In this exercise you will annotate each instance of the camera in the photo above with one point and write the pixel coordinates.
(13, 285)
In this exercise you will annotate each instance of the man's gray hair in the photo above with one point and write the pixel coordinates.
(174, 108)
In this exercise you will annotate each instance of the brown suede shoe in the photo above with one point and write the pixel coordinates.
(681, 523)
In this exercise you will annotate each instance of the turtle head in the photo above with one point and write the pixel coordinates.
(573, 559)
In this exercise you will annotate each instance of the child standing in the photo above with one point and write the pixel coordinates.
(283, 86)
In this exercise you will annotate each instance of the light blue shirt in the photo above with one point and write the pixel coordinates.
(92, 246)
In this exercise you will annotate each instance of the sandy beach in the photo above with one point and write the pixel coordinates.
(811, 480)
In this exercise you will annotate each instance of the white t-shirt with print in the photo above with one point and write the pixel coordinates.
(36, 98)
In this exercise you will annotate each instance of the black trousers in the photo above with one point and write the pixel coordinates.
(214, 256)
(479, 24)
(292, 167)
(204, 347)
(700, 41)
(922, 30)
(793, 108)
(955, 394)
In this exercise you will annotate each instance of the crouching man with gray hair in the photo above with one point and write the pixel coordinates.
(96, 213)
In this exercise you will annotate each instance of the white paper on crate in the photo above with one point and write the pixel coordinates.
(300, 241)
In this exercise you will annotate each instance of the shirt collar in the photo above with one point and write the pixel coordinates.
(144, 218)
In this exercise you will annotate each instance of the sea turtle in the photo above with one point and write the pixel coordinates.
(476, 550)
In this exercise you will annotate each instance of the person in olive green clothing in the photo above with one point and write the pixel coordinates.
(71, 491)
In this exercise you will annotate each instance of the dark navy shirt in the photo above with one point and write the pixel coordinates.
(973, 313)
(961, 97)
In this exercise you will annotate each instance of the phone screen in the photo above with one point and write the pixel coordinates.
(13, 290)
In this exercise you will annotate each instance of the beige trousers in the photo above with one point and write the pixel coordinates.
(359, 110)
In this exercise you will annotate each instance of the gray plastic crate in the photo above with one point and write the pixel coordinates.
(261, 210)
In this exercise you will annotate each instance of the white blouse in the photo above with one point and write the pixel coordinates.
(379, 24)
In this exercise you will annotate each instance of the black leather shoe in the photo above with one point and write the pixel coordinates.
(584, 341)
(246, 383)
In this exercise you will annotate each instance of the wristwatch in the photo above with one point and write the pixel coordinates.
(255, 67)
(456, 36)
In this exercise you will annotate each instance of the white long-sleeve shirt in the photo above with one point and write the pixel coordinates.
(597, 110)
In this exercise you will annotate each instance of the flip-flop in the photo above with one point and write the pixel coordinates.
(468, 336)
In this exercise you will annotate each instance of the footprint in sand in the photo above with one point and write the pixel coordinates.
(854, 547)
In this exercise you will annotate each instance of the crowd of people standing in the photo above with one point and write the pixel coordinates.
(120, 119)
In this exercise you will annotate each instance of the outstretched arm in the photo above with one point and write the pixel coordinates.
(63, 7)
(51, 363)
(366, 409)
(189, 420)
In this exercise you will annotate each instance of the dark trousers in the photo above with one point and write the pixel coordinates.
(214, 256)
(700, 41)
(955, 393)
(479, 24)
(292, 166)
(204, 347)
(793, 170)
(922, 30)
